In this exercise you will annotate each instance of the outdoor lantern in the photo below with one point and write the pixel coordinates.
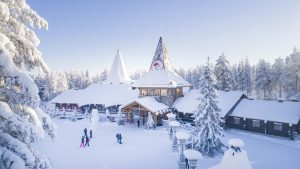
(171, 116)
(182, 137)
(193, 156)
(174, 125)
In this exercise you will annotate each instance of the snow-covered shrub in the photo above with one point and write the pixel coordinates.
(150, 121)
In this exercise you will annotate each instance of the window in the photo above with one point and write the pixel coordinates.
(157, 92)
(150, 92)
(278, 126)
(178, 92)
(236, 120)
(255, 123)
(144, 92)
(164, 92)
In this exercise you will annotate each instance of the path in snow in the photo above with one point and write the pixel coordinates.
(151, 149)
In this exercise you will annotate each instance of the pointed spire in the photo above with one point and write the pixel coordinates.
(161, 60)
(295, 49)
(118, 73)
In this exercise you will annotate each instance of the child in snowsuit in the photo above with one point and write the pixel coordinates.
(91, 134)
(82, 142)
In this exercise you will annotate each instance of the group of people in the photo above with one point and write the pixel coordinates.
(85, 139)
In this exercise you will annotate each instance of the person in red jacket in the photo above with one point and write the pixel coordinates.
(82, 142)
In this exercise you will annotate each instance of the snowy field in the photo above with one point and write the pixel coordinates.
(151, 149)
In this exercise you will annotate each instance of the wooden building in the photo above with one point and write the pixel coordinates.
(139, 108)
(267, 117)
(160, 87)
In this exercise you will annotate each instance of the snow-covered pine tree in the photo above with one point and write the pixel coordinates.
(292, 73)
(235, 77)
(223, 74)
(240, 76)
(207, 117)
(247, 77)
(21, 120)
(263, 79)
(277, 76)
(103, 75)
(150, 121)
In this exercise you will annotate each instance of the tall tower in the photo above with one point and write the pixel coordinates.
(161, 82)
(161, 59)
(118, 73)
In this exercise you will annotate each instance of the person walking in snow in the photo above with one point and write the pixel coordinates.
(138, 123)
(82, 141)
(87, 141)
(85, 132)
(91, 134)
(187, 163)
(117, 136)
(120, 138)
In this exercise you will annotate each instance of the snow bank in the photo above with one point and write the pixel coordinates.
(236, 142)
(288, 112)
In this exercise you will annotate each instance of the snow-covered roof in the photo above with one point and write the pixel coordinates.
(295, 97)
(190, 101)
(174, 123)
(171, 115)
(68, 96)
(182, 135)
(118, 73)
(161, 78)
(107, 94)
(192, 154)
(149, 103)
(288, 112)
(161, 73)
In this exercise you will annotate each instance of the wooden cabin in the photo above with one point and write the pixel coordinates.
(266, 117)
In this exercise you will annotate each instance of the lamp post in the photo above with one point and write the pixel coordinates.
(174, 125)
(193, 156)
(171, 117)
(182, 137)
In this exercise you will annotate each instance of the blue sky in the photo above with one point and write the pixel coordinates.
(85, 35)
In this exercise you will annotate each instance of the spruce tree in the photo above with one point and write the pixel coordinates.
(207, 117)
(21, 120)
(223, 74)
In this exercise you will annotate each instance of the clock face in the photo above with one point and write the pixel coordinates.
(157, 65)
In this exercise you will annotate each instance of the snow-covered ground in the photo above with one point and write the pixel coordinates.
(151, 149)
